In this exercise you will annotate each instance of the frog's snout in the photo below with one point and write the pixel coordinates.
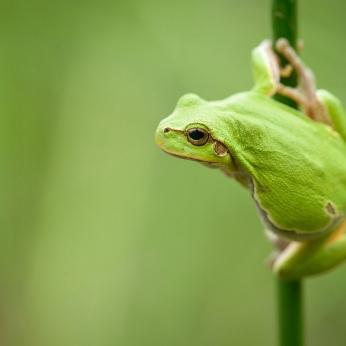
(160, 135)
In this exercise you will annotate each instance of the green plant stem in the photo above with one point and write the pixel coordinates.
(284, 24)
(290, 312)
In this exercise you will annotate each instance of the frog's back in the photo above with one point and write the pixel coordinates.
(295, 164)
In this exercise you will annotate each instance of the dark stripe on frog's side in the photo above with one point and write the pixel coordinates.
(293, 234)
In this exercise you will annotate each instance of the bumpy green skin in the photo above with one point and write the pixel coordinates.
(294, 167)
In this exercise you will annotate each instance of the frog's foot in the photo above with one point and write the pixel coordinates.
(305, 96)
(286, 71)
(280, 245)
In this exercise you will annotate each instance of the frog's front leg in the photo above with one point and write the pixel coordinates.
(267, 71)
(319, 105)
(305, 95)
(301, 259)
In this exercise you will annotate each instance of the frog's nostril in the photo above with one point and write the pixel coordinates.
(167, 129)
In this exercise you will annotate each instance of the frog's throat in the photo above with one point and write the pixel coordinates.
(189, 158)
(291, 234)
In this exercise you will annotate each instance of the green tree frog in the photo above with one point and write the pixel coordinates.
(292, 162)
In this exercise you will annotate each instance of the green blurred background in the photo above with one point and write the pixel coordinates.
(104, 239)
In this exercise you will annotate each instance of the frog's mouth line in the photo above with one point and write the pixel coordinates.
(189, 158)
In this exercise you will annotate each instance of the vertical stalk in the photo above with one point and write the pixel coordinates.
(284, 24)
(290, 313)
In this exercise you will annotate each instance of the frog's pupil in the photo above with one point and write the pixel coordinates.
(196, 134)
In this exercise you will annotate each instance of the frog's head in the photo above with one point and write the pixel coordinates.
(187, 133)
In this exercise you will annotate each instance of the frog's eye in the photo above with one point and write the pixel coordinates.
(197, 136)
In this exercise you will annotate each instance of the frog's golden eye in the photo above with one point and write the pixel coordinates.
(197, 136)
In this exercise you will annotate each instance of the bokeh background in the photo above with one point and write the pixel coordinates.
(105, 240)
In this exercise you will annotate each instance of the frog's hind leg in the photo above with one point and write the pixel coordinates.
(305, 95)
(301, 259)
